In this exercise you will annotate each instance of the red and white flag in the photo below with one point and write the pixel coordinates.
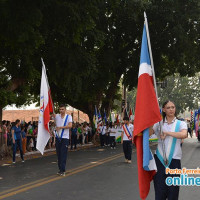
(147, 113)
(46, 108)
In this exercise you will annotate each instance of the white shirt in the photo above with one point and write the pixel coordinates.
(29, 127)
(168, 128)
(113, 131)
(130, 128)
(60, 122)
(103, 130)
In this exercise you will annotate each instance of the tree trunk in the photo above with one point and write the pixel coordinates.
(1, 113)
(108, 102)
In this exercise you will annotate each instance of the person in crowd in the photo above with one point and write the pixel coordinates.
(189, 128)
(63, 125)
(35, 132)
(29, 136)
(23, 134)
(107, 135)
(5, 132)
(9, 134)
(31, 144)
(0, 132)
(73, 136)
(84, 133)
(102, 131)
(52, 135)
(89, 132)
(113, 131)
(34, 125)
(173, 132)
(17, 139)
(126, 139)
(29, 127)
(80, 134)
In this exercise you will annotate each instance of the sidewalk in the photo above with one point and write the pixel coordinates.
(36, 154)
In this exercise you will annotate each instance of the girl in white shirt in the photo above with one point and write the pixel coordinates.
(169, 152)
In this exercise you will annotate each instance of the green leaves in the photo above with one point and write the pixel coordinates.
(183, 91)
(88, 45)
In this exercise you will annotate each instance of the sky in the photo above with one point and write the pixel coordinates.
(30, 107)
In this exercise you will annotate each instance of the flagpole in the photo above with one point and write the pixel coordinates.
(150, 52)
(154, 80)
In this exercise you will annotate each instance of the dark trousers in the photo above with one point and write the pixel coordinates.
(73, 141)
(107, 137)
(19, 144)
(112, 141)
(80, 139)
(102, 140)
(198, 135)
(162, 190)
(127, 147)
(61, 150)
(34, 142)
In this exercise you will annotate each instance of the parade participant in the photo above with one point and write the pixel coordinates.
(17, 139)
(107, 135)
(63, 124)
(168, 153)
(113, 131)
(126, 139)
(102, 132)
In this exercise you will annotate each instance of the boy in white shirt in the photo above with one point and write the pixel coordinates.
(126, 139)
(63, 124)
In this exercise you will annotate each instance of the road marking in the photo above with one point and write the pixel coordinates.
(5, 165)
(101, 150)
(34, 184)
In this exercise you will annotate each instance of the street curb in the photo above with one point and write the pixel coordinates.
(33, 155)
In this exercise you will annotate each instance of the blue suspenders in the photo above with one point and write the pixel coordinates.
(62, 129)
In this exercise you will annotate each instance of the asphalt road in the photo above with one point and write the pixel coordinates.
(95, 173)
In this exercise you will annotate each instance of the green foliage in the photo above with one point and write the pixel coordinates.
(88, 45)
(183, 91)
(174, 31)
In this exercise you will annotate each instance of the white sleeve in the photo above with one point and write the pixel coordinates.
(69, 118)
(56, 116)
(183, 125)
(156, 128)
(132, 129)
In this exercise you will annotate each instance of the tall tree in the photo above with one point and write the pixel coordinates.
(88, 45)
(174, 30)
(184, 91)
(20, 40)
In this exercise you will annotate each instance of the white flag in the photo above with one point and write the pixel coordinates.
(45, 109)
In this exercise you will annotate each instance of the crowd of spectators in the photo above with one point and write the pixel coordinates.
(28, 135)
(80, 134)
